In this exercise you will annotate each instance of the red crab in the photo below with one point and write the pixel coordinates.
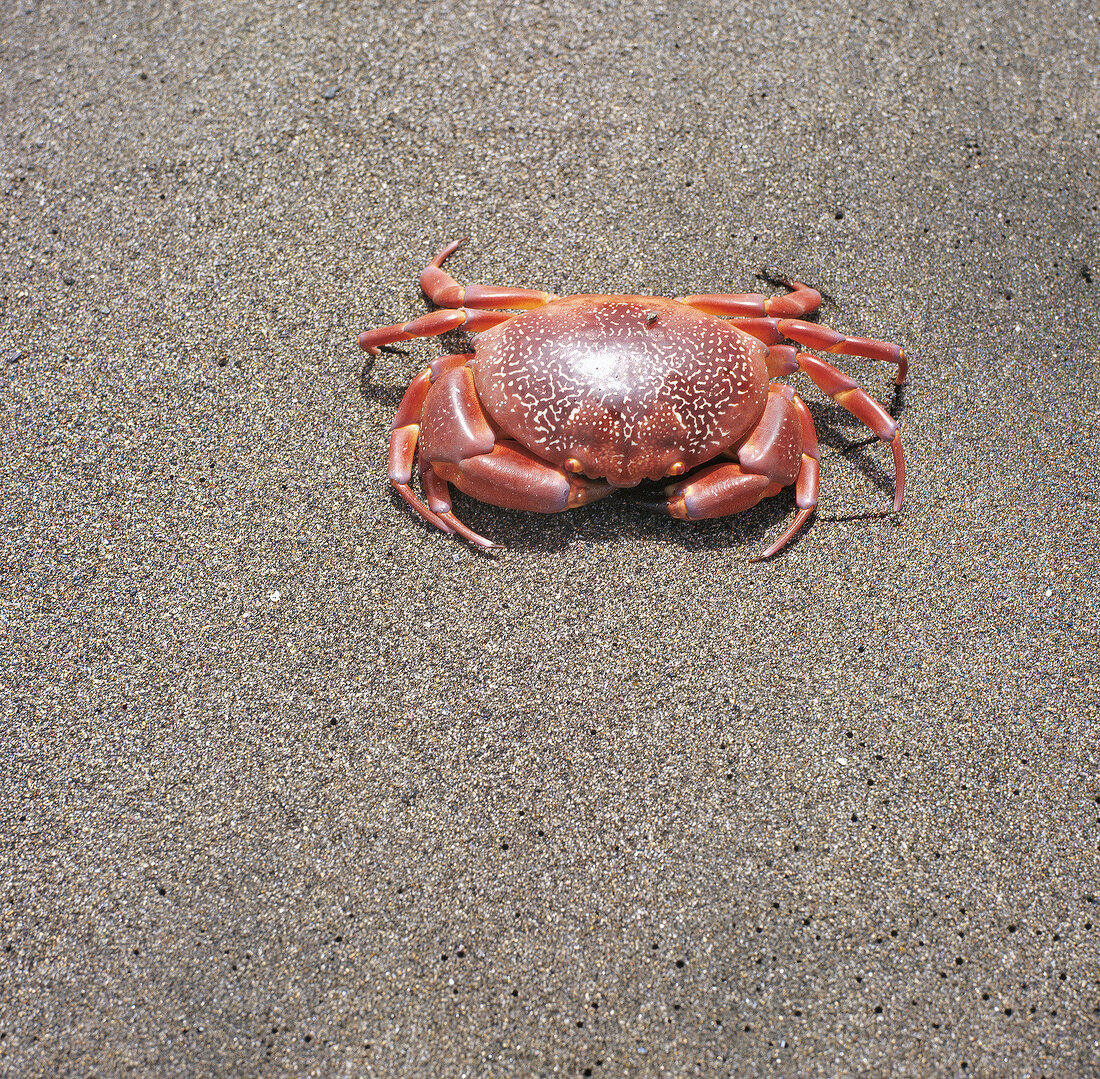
(576, 396)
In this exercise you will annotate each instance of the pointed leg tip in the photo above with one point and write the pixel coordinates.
(791, 531)
(774, 549)
(899, 470)
(468, 533)
(447, 250)
(764, 556)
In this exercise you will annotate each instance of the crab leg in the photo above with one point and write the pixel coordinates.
(807, 482)
(405, 431)
(786, 360)
(442, 289)
(781, 360)
(802, 300)
(850, 395)
(772, 331)
(431, 325)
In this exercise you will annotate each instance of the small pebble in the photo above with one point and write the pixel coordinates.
(330, 92)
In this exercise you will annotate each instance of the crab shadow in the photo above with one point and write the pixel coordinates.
(608, 521)
(385, 393)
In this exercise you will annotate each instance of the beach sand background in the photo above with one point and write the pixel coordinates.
(292, 784)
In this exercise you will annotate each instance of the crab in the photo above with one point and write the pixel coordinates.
(564, 400)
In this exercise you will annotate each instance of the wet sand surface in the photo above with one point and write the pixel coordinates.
(293, 784)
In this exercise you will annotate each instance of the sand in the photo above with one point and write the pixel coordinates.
(292, 784)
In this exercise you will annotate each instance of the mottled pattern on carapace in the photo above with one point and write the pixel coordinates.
(628, 386)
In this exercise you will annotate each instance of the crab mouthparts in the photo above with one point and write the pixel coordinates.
(624, 481)
(621, 470)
